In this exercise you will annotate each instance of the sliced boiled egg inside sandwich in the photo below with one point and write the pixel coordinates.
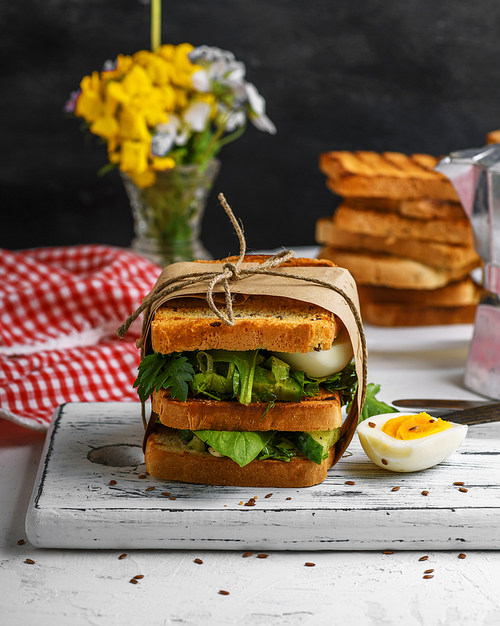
(324, 362)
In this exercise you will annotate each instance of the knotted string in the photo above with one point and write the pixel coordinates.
(230, 273)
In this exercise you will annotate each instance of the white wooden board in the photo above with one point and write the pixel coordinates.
(73, 504)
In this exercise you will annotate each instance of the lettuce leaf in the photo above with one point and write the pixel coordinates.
(372, 406)
(241, 447)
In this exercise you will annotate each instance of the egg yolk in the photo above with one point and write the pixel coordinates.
(414, 426)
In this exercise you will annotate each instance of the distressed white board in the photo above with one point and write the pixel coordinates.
(73, 504)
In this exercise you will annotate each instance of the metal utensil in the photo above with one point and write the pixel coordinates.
(431, 404)
(483, 414)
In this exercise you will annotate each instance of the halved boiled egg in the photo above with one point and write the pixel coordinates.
(323, 363)
(409, 443)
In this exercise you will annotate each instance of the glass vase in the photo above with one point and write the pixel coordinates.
(168, 214)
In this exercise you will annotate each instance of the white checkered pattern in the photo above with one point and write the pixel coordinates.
(59, 308)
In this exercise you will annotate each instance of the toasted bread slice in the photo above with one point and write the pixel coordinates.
(414, 315)
(168, 458)
(460, 293)
(322, 412)
(432, 253)
(385, 175)
(493, 137)
(393, 226)
(276, 324)
(417, 208)
(392, 271)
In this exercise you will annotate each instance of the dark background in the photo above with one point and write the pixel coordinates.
(410, 76)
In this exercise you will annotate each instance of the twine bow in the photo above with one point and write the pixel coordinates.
(232, 272)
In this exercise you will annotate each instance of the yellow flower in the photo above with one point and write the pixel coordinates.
(160, 164)
(133, 124)
(145, 179)
(106, 127)
(89, 102)
(166, 51)
(134, 157)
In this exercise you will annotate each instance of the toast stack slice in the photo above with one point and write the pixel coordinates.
(402, 233)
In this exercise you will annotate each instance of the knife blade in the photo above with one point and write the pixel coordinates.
(448, 405)
(485, 413)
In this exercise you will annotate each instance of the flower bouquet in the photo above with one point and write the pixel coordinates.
(165, 114)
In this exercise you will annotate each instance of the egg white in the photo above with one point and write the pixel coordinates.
(411, 455)
(323, 363)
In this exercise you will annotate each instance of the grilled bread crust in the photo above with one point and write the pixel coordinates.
(460, 293)
(391, 225)
(396, 272)
(385, 175)
(323, 412)
(442, 255)
(167, 458)
(414, 208)
(392, 314)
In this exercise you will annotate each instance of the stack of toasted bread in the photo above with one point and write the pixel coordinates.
(403, 234)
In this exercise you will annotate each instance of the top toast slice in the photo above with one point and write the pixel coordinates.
(261, 322)
(385, 175)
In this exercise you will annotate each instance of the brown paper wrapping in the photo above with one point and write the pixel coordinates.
(340, 298)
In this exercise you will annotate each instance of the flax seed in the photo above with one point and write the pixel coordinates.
(262, 556)
(412, 428)
(247, 554)
(142, 476)
(20, 542)
(172, 498)
(388, 552)
(122, 556)
(199, 561)
(165, 493)
(462, 555)
(428, 571)
(459, 483)
(268, 495)
(223, 592)
(308, 564)
(431, 421)
(427, 576)
(30, 561)
(150, 489)
(384, 461)
(423, 558)
(112, 482)
(288, 498)
(371, 424)
(395, 488)
(425, 493)
(463, 489)
(349, 482)
(139, 576)
(134, 581)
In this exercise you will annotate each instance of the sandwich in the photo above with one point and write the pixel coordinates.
(255, 404)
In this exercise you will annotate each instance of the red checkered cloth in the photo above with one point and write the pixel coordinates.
(59, 309)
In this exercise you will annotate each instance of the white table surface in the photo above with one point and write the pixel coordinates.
(85, 587)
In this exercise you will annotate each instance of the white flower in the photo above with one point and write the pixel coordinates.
(200, 81)
(257, 105)
(196, 116)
